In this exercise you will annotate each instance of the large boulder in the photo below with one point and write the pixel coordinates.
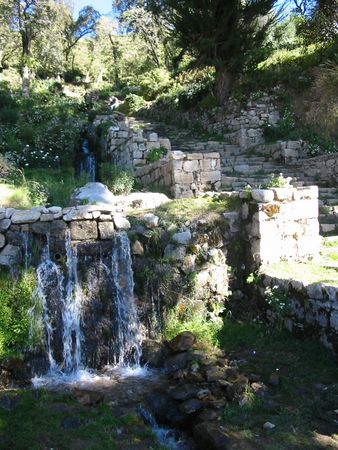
(93, 193)
(182, 342)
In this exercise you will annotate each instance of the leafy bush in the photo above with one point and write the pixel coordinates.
(15, 301)
(132, 104)
(119, 182)
(42, 131)
(278, 181)
(155, 154)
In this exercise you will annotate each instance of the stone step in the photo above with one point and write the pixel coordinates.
(328, 228)
(328, 218)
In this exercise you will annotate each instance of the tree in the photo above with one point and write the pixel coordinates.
(144, 25)
(219, 33)
(76, 30)
(27, 18)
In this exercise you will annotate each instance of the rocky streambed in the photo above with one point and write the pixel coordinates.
(181, 388)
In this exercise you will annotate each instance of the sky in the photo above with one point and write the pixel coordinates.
(103, 6)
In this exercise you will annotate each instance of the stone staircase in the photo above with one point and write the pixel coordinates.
(254, 167)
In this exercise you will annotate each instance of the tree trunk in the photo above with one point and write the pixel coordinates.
(25, 81)
(223, 83)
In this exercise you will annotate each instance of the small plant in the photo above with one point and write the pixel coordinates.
(278, 303)
(119, 182)
(278, 181)
(156, 154)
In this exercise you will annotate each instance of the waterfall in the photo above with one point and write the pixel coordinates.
(49, 278)
(60, 307)
(127, 351)
(71, 314)
(88, 162)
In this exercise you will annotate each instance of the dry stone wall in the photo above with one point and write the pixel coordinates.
(183, 174)
(282, 224)
(241, 123)
(324, 168)
(313, 307)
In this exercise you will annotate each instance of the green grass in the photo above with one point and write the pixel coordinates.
(36, 424)
(193, 209)
(307, 273)
(179, 319)
(60, 183)
(302, 411)
(14, 197)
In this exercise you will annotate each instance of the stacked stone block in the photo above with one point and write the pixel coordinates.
(313, 308)
(282, 224)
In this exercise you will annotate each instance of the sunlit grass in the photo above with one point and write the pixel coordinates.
(14, 197)
(306, 272)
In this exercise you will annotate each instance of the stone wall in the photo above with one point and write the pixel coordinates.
(183, 174)
(313, 307)
(128, 147)
(282, 224)
(241, 123)
(324, 168)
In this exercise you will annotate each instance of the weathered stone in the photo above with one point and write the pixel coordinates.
(183, 392)
(190, 166)
(191, 406)
(47, 217)
(211, 436)
(4, 225)
(189, 264)
(176, 362)
(183, 238)
(151, 220)
(83, 230)
(2, 240)
(262, 195)
(137, 248)
(153, 137)
(182, 342)
(54, 209)
(175, 253)
(106, 230)
(10, 255)
(28, 216)
(93, 193)
(121, 223)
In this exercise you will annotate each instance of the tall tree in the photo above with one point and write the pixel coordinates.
(27, 18)
(219, 33)
(82, 26)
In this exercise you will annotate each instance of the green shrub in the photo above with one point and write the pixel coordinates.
(9, 115)
(183, 318)
(155, 154)
(15, 301)
(132, 104)
(278, 181)
(119, 182)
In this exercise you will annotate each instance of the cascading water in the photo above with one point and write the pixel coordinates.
(88, 162)
(62, 305)
(48, 277)
(71, 314)
(128, 339)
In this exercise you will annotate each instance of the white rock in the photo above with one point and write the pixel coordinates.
(262, 195)
(183, 238)
(151, 220)
(55, 209)
(153, 137)
(269, 426)
(10, 255)
(93, 193)
(121, 223)
(29, 216)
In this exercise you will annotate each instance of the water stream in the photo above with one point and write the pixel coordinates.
(59, 309)
(87, 160)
